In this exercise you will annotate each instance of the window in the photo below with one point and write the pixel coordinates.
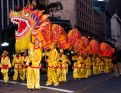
(80, 14)
(84, 6)
(78, 11)
(80, 4)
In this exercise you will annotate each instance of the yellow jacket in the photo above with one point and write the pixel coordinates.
(35, 55)
(63, 59)
(5, 63)
(17, 62)
(52, 57)
(25, 59)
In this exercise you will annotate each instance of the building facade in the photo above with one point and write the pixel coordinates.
(98, 34)
(116, 30)
(88, 20)
(68, 12)
(103, 8)
(85, 16)
(5, 7)
(106, 26)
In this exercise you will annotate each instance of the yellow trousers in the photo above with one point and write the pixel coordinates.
(87, 72)
(81, 72)
(16, 73)
(58, 72)
(76, 73)
(5, 75)
(52, 76)
(61, 75)
(24, 73)
(95, 70)
(33, 78)
(106, 70)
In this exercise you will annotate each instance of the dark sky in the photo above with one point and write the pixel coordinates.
(115, 4)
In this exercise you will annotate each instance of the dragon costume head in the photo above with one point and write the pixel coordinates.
(29, 22)
(33, 24)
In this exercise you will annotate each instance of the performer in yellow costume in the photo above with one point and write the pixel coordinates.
(98, 64)
(76, 68)
(33, 70)
(110, 64)
(67, 64)
(95, 65)
(87, 66)
(17, 64)
(58, 70)
(82, 64)
(5, 65)
(106, 69)
(52, 65)
(101, 64)
(25, 58)
(61, 76)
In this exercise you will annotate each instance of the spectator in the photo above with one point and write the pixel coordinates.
(116, 63)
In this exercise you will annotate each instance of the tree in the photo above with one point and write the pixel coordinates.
(52, 8)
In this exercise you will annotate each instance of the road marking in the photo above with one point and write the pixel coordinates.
(52, 88)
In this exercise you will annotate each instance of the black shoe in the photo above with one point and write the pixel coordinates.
(29, 90)
(37, 89)
(64, 81)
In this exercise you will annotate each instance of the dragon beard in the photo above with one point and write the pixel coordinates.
(23, 43)
(23, 33)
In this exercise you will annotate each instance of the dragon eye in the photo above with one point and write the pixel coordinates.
(26, 14)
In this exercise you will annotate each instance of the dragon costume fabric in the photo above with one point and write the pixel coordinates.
(33, 24)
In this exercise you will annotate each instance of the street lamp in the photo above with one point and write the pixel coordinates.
(5, 44)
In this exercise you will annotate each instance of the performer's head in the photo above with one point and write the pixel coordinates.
(4, 53)
(61, 51)
(25, 53)
(17, 53)
(36, 42)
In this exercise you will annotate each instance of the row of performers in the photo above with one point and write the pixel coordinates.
(28, 67)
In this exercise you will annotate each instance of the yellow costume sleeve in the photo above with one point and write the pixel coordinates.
(37, 55)
(67, 60)
(73, 58)
(63, 58)
(79, 59)
(55, 54)
(22, 60)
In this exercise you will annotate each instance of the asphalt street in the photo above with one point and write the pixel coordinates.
(103, 83)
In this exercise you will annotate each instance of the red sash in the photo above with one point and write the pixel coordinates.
(4, 66)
